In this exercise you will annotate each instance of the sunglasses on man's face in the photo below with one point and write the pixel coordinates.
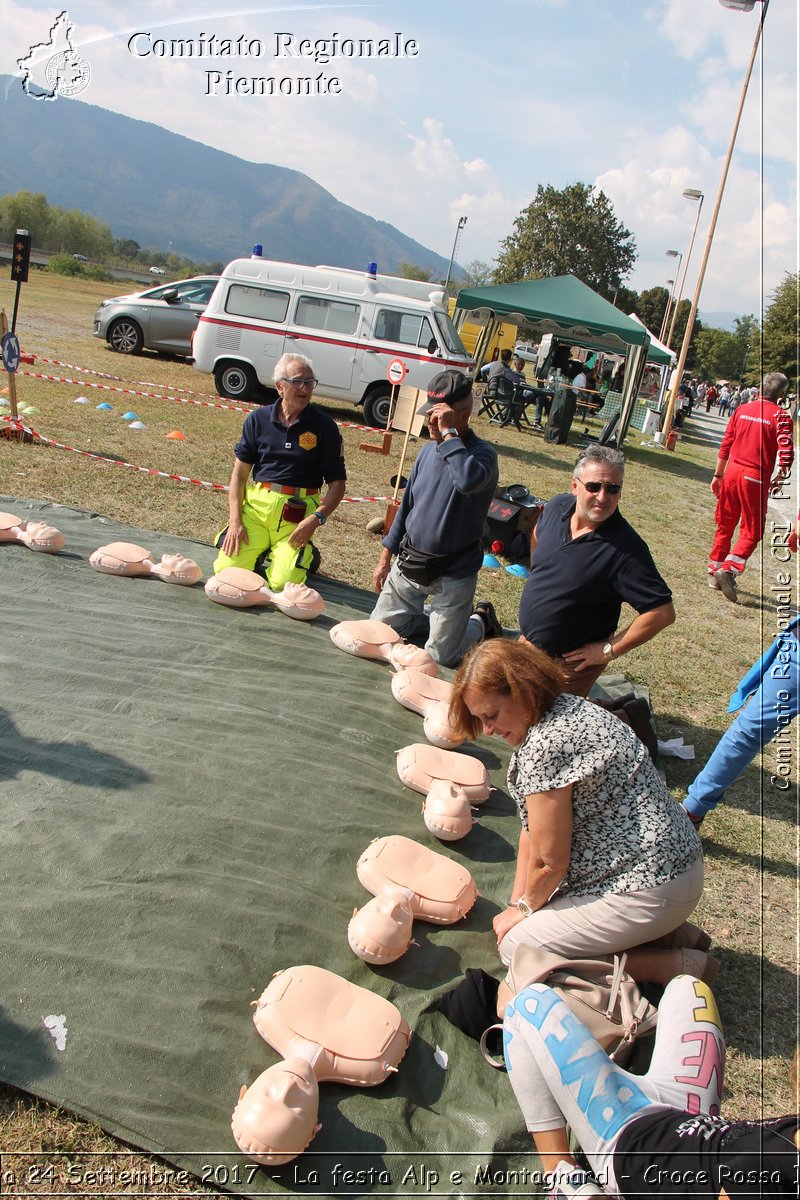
(595, 486)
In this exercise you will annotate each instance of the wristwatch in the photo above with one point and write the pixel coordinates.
(608, 650)
(450, 432)
(524, 908)
(320, 516)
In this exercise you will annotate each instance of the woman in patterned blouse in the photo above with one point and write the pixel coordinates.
(607, 861)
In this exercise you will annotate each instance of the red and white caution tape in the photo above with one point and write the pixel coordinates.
(121, 462)
(104, 387)
(115, 462)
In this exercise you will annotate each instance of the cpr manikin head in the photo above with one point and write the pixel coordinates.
(177, 568)
(40, 536)
(36, 535)
(447, 811)
(237, 587)
(380, 932)
(377, 640)
(431, 698)
(276, 1117)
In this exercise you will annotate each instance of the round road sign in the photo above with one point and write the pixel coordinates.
(10, 350)
(396, 371)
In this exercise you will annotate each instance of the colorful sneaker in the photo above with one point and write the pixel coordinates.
(571, 1180)
(727, 584)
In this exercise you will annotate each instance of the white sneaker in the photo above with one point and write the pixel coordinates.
(570, 1180)
(712, 583)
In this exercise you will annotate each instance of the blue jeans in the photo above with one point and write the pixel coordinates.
(769, 711)
(451, 632)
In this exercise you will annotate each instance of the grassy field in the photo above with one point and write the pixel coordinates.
(750, 904)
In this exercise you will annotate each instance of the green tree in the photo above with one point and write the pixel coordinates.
(625, 299)
(717, 355)
(477, 274)
(408, 270)
(26, 210)
(780, 341)
(125, 248)
(573, 231)
(681, 321)
(747, 335)
(651, 307)
(64, 264)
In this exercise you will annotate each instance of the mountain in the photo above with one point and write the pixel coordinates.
(160, 188)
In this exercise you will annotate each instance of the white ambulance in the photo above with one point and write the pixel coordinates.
(351, 324)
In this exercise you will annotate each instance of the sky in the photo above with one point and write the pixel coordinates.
(486, 101)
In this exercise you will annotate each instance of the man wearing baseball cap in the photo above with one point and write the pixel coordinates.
(436, 537)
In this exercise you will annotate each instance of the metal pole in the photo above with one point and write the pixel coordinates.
(687, 336)
(461, 223)
(665, 318)
(685, 269)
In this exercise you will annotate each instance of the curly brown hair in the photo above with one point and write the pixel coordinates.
(517, 669)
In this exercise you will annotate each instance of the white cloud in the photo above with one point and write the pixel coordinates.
(471, 127)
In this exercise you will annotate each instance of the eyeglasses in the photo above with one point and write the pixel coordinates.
(300, 381)
(596, 486)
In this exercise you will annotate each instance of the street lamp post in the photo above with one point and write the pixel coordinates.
(670, 254)
(671, 285)
(689, 194)
(461, 223)
(740, 6)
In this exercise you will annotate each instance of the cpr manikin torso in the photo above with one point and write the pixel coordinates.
(125, 558)
(377, 640)
(239, 588)
(451, 783)
(419, 766)
(36, 535)
(408, 881)
(431, 698)
(327, 1030)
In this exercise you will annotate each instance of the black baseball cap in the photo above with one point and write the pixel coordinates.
(448, 387)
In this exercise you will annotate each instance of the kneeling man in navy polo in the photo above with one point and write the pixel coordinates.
(291, 448)
(588, 561)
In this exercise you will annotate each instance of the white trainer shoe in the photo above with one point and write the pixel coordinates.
(571, 1180)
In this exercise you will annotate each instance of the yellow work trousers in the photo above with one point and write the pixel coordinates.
(262, 517)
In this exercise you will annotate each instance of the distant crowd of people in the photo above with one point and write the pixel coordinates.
(607, 861)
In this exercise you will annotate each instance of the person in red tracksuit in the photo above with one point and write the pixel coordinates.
(742, 482)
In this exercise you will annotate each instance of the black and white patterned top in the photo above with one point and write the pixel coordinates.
(628, 833)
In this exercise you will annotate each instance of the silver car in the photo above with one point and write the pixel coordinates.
(162, 318)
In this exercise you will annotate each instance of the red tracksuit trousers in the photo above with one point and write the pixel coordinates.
(743, 498)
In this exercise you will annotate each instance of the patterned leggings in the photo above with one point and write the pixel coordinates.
(560, 1075)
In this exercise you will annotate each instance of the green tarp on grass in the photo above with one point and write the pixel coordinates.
(185, 791)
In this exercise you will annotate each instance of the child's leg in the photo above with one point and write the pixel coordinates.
(688, 1062)
(560, 1075)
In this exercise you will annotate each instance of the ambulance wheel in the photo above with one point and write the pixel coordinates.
(237, 381)
(376, 408)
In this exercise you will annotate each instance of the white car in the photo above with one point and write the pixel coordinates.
(157, 271)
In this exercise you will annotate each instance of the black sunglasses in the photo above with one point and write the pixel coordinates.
(594, 486)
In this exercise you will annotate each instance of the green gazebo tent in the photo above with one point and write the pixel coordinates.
(572, 313)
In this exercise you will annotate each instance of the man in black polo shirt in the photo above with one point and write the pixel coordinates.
(588, 561)
(291, 447)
